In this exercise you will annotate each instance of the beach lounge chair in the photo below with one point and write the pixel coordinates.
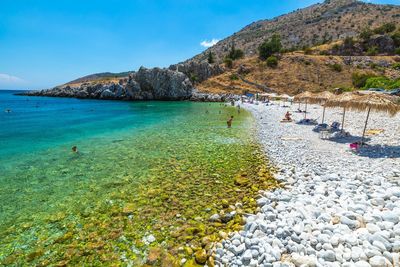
(335, 127)
(324, 134)
(320, 127)
(308, 122)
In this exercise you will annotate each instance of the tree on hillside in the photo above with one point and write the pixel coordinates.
(270, 47)
(348, 42)
(235, 53)
(210, 58)
(366, 34)
(228, 62)
(396, 38)
(272, 62)
(385, 28)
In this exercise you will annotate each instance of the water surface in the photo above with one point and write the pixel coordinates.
(143, 168)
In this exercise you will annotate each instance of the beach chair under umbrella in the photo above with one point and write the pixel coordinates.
(284, 98)
(305, 96)
(342, 101)
(374, 101)
(321, 98)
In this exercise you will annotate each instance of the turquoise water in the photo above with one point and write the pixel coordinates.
(139, 166)
(38, 123)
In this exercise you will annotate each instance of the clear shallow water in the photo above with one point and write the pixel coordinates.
(143, 168)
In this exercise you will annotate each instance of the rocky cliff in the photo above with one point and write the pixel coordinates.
(145, 84)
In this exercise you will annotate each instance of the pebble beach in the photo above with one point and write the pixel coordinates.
(335, 208)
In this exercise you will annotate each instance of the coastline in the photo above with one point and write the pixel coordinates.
(337, 208)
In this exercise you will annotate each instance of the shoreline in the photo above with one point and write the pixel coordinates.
(357, 219)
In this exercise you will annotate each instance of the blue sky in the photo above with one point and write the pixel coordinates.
(44, 43)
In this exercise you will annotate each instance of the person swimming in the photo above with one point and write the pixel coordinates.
(7, 110)
(75, 149)
(229, 122)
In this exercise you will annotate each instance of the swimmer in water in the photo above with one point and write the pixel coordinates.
(75, 149)
(229, 122)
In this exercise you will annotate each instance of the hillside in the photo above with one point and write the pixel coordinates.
(104, 76)
(296, 72)
(320, 23)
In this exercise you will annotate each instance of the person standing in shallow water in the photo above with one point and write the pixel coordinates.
(229, 122)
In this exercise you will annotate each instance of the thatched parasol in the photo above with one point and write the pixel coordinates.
(342, 101)
(375, 101)
(305, 96)
(284, 98)
(321, 98)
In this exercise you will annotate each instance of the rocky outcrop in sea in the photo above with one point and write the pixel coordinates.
(173, 83)
(145, 84)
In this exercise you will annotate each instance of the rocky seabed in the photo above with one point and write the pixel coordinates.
(336, 208)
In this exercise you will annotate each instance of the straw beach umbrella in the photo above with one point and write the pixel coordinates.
(342, 100)
(305, 96)
(322, 98)
(284, 98)
(375, 101)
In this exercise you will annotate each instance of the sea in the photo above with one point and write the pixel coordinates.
(142, 172)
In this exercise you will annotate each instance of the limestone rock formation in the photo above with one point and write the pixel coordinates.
(146, 84)
(198, 72)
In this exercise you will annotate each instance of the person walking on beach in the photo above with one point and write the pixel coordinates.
(229, 122)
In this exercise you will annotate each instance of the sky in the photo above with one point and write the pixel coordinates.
(44, 43)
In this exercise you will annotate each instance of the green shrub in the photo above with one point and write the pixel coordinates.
(366, 34)
(382, 82)
(385, 28)
(397, 51)
(336, 47)
(396, 39)
(348, 42)
(372, 51)
(193, 78)
(359, 79)
(376, 82)
(228, 62)
(270, 47)
(272, 62)
(396, 66)
(234, 77)
(234, 53)
(336, 67)
(210, 58)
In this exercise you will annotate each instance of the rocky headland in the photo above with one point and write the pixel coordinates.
(174, 83)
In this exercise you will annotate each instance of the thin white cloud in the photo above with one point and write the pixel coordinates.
(207, 43)
(9, 79)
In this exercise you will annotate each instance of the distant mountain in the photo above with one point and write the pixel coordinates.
(100, 76)
(320, 23)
